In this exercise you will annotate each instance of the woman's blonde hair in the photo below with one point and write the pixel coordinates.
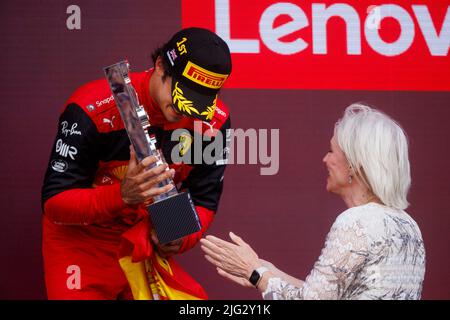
(377, 149)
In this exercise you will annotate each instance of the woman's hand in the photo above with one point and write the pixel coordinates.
(240, 281)
(234, 261)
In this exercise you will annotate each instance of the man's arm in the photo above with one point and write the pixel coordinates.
(205, 184)
(67, 194)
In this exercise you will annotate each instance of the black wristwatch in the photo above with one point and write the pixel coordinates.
(256, 275)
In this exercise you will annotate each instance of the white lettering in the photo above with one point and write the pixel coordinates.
(70, 131)
(437, 44)
(213, 150)
(196, 310)
(222, 9)
(221, 112)
(239, 145)
(59, 165)
(321, 15)
(102, 102)
(405, 39)
(73, 21)
(65, 150)
(271, 36)
(74, 280)
(373, 17)
(249, 142)
(264, 157)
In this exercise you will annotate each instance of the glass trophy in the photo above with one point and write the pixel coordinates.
(173, 213)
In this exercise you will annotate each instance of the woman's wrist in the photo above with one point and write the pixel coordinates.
(257, 276)
(264, 281)
(252, 267)
(266, 264)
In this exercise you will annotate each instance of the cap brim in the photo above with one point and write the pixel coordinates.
(191, 102)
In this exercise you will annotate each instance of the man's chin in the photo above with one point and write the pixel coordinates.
(171, 118)
(174, 119)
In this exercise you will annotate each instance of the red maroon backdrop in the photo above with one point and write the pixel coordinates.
(300, 88)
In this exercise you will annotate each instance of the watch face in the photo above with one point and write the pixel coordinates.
(254, 278)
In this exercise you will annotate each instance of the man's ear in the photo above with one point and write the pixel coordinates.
(159, 69)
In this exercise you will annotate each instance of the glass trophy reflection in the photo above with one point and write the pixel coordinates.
(173, 213)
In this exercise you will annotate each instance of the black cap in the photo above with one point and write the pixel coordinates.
(200, 62)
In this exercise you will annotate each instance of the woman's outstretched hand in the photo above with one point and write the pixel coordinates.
(233, 260)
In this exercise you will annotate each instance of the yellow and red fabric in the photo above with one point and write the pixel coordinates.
(153, 277)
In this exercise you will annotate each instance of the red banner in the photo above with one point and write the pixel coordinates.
(358, 45)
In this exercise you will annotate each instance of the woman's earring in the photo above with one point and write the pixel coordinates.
(350, 176)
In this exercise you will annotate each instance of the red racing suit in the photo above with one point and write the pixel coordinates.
(85, 217)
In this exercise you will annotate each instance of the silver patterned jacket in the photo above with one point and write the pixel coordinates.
(371, 252)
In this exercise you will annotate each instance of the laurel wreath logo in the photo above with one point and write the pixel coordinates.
(209, 113)
(183, 104)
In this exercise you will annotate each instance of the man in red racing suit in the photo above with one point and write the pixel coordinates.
(94, 189)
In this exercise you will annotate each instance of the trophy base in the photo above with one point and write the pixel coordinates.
(174, 218)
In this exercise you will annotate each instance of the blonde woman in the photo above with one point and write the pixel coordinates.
(374, 249)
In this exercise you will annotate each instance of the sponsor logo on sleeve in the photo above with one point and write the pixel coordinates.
(66, 131)
(59, 165)
(65, 150)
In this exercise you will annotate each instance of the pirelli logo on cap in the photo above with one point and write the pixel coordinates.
(204, 77)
